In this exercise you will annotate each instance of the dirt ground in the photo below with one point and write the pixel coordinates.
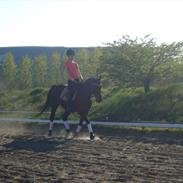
(28, 155)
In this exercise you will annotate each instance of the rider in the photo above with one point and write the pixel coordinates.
(74, 76)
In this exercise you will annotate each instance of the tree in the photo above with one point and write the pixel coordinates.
(9, 70)
(84, 62)
(89, 61)
(40, 69)
(95, 60)
(133, 62)
(25, 73)
(55, 69)
(170, 73)
(2, 83)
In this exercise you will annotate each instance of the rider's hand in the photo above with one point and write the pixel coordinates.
(81, 79)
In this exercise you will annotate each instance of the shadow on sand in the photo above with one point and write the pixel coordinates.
(36, 144)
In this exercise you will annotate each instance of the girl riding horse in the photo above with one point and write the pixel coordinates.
(74, 77)
(82, 103)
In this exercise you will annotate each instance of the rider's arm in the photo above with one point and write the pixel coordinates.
(81, 76)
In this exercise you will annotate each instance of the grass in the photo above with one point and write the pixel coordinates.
(147, 129)
(163, 105)
(125, 104)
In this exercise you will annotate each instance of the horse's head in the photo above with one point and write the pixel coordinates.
(95, 88)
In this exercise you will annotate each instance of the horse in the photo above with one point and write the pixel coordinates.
(81, 104)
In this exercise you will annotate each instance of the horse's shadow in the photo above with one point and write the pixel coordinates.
(36, 144)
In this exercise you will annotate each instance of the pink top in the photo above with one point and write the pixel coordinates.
(72, 70)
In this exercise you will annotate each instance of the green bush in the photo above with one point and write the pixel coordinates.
(38, 95)
(164, 105)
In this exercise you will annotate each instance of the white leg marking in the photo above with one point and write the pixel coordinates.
(51, 125)
(90, 128)
(66, 124)
(78, 129)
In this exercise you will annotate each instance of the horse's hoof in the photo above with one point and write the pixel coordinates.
(50, 133)
(69, 136)
(92, 136)
(76, 135)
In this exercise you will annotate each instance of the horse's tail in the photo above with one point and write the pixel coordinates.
(53, 97)
(48, 100)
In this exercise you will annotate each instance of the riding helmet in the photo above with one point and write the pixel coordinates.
(70, 52)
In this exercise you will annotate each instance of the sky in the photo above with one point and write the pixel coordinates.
(87, 23)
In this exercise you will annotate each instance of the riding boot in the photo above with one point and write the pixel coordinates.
(72, 89)
(69, 105)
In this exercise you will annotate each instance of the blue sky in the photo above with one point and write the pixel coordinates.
(87, 22)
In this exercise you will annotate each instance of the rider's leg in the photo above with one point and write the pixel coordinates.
(70, 102)
(70, 96)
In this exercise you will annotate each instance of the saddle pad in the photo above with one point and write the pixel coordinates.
(64, 94)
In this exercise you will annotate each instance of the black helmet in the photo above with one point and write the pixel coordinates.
(70, 52)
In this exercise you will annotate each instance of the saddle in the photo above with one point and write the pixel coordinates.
(65, 94)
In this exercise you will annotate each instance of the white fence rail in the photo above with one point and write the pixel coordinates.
(130, 124)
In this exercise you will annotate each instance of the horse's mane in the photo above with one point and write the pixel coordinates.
(91, 80)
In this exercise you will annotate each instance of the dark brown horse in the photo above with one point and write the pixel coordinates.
(81, 104)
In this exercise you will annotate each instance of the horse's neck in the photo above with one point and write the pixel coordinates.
(85, 92)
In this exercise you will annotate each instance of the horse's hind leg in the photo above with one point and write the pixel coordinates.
(92, 136)
(52, 116)
(66, 124)
(79, 127)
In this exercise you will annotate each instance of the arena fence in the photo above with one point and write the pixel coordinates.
(130, 124)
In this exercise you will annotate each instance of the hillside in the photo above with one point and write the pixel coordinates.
(31, 51)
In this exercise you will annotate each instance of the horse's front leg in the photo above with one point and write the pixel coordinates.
(92, 136)
(52, 116)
